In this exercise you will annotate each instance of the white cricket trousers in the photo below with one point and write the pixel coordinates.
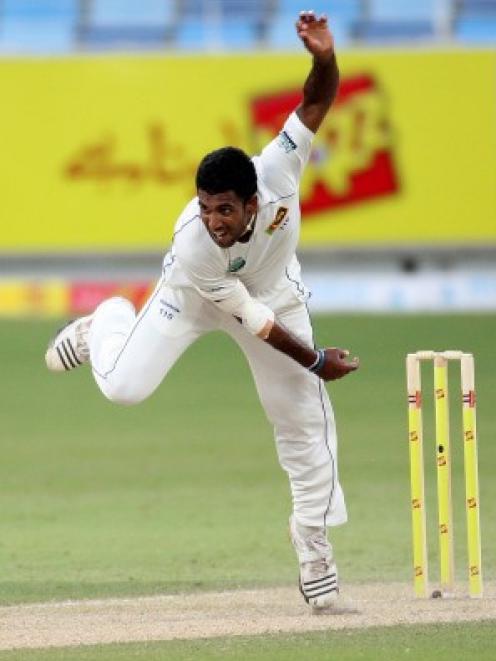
(131, 354)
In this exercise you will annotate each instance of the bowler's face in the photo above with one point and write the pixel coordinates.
(225, 216)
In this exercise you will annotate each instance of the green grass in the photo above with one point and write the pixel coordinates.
(183, 492)
(456, 642)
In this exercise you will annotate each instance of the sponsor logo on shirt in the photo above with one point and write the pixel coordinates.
(286, 142)
(281, 214)
(236, 264)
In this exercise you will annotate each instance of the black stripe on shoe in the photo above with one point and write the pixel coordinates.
(330, 581)
(306, 596)
(312, 592)
(68, 355)
(62, 359)
(318, 580)
(319, 594)
(73, 351)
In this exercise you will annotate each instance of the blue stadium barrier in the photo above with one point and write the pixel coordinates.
(228, 34)
(393, 10)
(38, 26)
(101, 37)
(480, 6)
(282, 33)
(393, 31)
(243, 9)
(37, 37)
(49, 10)
(476, 29)
(153, 13)
(192, 34)
(238, 35)
(51, 26)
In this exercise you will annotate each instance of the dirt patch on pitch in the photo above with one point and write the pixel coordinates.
(236, 613)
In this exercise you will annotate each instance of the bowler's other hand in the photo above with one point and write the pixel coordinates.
(336, 364)
(315, 34)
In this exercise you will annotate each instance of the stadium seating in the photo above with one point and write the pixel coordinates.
(34, 26)
(476, 21)
(476, 29)
(390, 20)
(228, 24)
(58, 26)
(120, 23)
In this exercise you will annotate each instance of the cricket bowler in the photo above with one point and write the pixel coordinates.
(232, 267)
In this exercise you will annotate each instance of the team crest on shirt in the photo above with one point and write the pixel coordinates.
(281, 214)
(236, 264)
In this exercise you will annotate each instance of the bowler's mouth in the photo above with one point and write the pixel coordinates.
(222, 238)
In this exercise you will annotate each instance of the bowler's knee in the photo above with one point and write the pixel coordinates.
(125, 393)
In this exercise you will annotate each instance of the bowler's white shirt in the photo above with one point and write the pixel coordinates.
(266, 264)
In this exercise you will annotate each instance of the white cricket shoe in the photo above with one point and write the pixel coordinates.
(318, 572)
(69, 348)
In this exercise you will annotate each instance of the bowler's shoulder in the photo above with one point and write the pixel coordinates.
(188, 222)
(192, 243)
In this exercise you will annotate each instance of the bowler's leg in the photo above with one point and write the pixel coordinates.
(297, 404)
(131, 354)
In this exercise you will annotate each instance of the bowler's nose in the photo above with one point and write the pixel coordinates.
(214, 222)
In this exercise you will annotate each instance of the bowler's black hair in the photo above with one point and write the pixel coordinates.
(228, 168)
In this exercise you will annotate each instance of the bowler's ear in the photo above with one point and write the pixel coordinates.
(252, 204)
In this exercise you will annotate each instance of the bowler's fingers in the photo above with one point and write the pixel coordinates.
(352, 364)
(305, 19)
(342, 353)
(348, 368)
(308, 16)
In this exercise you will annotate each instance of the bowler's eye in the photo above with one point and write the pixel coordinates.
(226, 210)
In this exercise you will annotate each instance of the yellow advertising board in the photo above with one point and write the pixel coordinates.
(100, 153)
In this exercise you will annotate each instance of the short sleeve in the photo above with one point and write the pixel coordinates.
(281, 163)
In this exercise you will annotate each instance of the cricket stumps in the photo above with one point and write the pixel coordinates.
(443, 467)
